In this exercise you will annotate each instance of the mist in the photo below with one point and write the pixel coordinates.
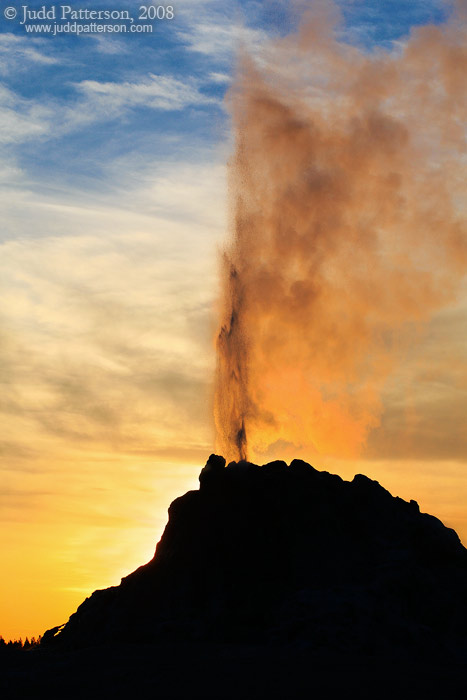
(347, 229)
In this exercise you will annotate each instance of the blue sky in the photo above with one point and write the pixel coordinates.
(77, 105)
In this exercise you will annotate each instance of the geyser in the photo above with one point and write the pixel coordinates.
(347, 229)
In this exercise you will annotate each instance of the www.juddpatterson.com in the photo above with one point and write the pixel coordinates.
(57, 19)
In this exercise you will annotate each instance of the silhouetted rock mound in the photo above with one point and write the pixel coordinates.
(289, 555)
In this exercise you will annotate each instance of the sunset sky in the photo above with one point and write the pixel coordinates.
(114, 153)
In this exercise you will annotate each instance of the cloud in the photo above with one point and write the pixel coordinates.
(17, 53)
(181, 192)
(158, 92)
(9, 171)
(21, 118)
(219, 77)
(110, 47)
(424, 416)
(221, 41)
(48, 118)
(215, 30)
(106, 321)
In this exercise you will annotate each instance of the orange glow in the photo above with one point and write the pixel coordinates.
(87, 527)
(347, 233)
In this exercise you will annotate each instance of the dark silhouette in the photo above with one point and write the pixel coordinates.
(18, 644)
(289, 554)
(270, 582)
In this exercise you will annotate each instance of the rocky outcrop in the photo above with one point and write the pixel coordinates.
(292, 555)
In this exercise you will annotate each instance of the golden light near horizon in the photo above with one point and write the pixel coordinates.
(106, 411)
(119, 190)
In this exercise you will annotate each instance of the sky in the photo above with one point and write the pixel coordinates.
(113, 166)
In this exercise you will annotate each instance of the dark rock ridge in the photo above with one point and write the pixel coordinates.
(289, 555)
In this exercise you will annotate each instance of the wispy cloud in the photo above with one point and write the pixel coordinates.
(21, 118)
(158, 92)
(107, 312)
(220, 78)
(221, 40)
(18, 52)
(48, 118)
(106, 45)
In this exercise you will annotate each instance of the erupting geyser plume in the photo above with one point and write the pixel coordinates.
(232, 405)
(348, 228)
